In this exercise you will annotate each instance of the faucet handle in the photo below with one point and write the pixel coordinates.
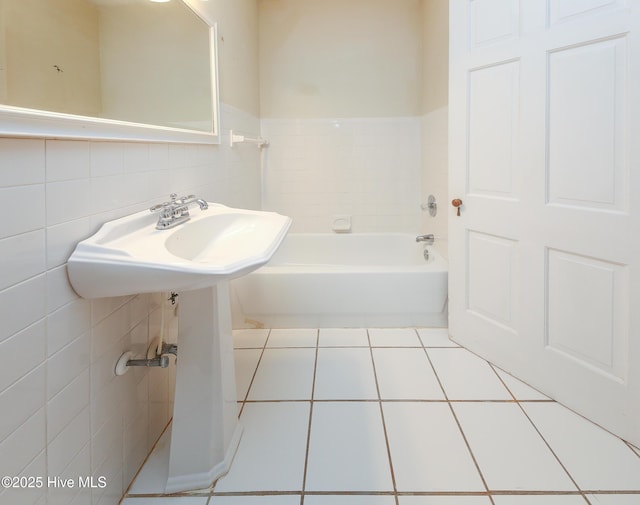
(185, 199)
(160, 206)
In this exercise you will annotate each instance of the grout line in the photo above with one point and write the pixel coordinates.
(395, 493)
(255, 372)
(635, 450)
(537, 430)
(502, 381)
(520, 492)
(350, 493)
(500, 492)
(126, 493)
(520, 402)
(360, 347)
(551, 449)
(391, 400)
(283, 400)
(278, 347)
(384, 424)
(464, 437)
(313, 390)
(204, 493)
(256, 493)
(610, 492)
(495, 369)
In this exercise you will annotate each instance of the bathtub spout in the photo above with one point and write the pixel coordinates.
(429, 238)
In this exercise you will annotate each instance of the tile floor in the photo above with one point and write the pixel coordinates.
(400, 417)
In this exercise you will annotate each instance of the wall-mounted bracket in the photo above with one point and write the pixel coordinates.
(237, 139)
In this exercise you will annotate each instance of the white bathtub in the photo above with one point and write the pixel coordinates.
(346, 280)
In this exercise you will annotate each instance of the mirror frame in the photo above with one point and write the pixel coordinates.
(24, 122)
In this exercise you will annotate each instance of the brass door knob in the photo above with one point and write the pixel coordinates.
(457, 203)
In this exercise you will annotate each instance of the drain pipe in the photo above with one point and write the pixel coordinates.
(162, 347)
(169, 349)
(126, 361)
(158, 350)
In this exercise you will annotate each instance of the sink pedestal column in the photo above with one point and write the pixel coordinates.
(205, 430)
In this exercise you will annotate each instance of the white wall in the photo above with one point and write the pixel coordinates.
(340, 101)
(333, 58)
(367, 168)
(435, 112)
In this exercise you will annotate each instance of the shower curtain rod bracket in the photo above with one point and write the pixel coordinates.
(237, 139)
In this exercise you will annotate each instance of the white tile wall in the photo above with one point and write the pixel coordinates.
(368, 168)
(64, 413)
(435, 173)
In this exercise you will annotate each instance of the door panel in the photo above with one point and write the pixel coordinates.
(586, 115)
(587, 312)
(565, 10)
(492, 21)
(544, 257)
(491, 278)
(493, 100)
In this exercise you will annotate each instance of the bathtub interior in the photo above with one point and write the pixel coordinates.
(322, 280)
(388, 249)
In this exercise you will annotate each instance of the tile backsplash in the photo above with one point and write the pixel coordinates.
(366, 168)
(64, 413)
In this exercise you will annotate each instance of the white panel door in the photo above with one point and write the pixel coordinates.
(545, 155)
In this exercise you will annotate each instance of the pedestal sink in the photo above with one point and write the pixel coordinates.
(196, 258)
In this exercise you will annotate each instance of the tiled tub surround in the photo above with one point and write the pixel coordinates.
(63, 413)
(404, 417)
(368, 168)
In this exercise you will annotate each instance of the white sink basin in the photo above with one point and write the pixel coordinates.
(129, 256)
(196, 258)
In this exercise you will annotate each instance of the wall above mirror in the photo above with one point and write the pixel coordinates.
(108, 69)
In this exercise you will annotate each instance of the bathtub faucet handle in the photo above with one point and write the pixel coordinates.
(428, 239)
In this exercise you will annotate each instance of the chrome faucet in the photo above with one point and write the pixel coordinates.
(176, 211)
(428, 239)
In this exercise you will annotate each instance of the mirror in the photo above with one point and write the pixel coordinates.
(107, 69)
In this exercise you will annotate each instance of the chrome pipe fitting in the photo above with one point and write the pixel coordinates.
(126, 361)
(428, 239)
